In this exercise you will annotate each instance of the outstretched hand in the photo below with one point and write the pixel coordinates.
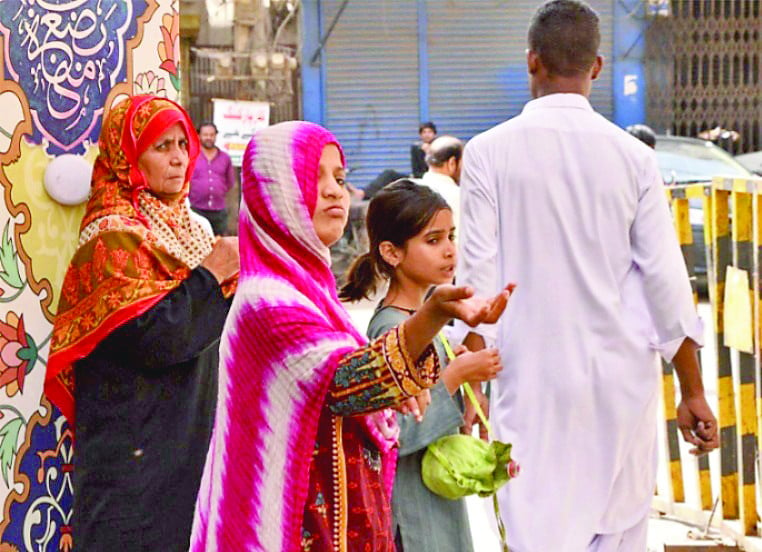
(460, 303)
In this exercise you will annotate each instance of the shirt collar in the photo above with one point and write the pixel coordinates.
(431, 175)
(577, 101)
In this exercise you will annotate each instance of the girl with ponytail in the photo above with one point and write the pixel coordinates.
(412, 247)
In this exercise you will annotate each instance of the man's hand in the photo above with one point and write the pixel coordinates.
(697, 424)
(470, 416)
(694, 417)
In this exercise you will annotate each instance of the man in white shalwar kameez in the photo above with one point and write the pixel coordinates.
(444, 160)
(572, 209)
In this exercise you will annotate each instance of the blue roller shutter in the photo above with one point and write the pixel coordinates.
(371, 83)
(602, 96)
(477, 62)
(475, 72)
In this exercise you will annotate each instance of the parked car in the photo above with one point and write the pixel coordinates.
(752, 161)
(690, 161)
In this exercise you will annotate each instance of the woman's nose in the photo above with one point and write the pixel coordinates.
(333, 189)
(178, 156)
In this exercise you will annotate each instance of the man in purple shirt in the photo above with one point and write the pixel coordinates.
(213, 177)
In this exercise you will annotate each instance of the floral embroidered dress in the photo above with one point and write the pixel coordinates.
(348, 504)
(297, 460)
(133, 362)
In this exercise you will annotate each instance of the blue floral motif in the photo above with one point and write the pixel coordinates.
(67, 55)
(354, 371)
(43, 520)
(372, 398)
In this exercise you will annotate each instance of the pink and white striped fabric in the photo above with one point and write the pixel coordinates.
(284, 336)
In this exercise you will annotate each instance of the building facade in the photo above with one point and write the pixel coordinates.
(373, 70)
(704, 66)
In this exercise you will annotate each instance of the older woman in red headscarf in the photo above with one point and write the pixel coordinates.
(133, 362)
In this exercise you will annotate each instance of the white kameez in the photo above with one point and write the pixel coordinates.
(448, 189)
(572, 209)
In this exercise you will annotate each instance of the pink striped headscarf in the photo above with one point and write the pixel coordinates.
(283, 338)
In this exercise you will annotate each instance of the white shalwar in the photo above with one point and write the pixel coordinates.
(572, 209)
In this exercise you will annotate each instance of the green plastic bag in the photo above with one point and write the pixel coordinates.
(455, 466)
(459, 465)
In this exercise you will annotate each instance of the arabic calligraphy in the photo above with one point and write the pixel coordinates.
(67, 55)
(250, 114)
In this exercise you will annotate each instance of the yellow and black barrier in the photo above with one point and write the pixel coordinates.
(680, 197)
(732, 240)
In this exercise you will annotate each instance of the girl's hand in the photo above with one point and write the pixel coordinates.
(459, 302)
(479, 366)
(416, 405)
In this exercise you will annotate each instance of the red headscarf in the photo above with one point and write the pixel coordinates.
(134, 248)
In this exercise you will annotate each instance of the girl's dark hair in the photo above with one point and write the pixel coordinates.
(397, 213)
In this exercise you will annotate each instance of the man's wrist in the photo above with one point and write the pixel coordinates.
(474, 342)
(696, 392)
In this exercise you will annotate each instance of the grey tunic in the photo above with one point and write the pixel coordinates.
(426, 522)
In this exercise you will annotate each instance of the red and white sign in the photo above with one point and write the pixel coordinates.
(236, 121)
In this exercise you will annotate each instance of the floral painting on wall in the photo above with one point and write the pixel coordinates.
(63, 64)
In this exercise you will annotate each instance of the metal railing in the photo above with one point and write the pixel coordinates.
(732, 247)
(223, 73)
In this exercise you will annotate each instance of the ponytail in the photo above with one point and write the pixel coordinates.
(361, 279)
(396, 213)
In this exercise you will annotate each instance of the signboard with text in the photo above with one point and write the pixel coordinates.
(236, 121)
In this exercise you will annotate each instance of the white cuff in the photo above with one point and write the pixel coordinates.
(668, 349)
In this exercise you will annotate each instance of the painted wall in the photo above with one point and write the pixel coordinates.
(63, 63)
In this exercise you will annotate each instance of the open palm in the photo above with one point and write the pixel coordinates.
(460, 303)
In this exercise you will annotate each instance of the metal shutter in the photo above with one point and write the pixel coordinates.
(371, 83)
(477, 62)
(476, 73)
(602, 96)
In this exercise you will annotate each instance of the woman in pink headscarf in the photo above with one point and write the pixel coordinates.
(300, 458)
